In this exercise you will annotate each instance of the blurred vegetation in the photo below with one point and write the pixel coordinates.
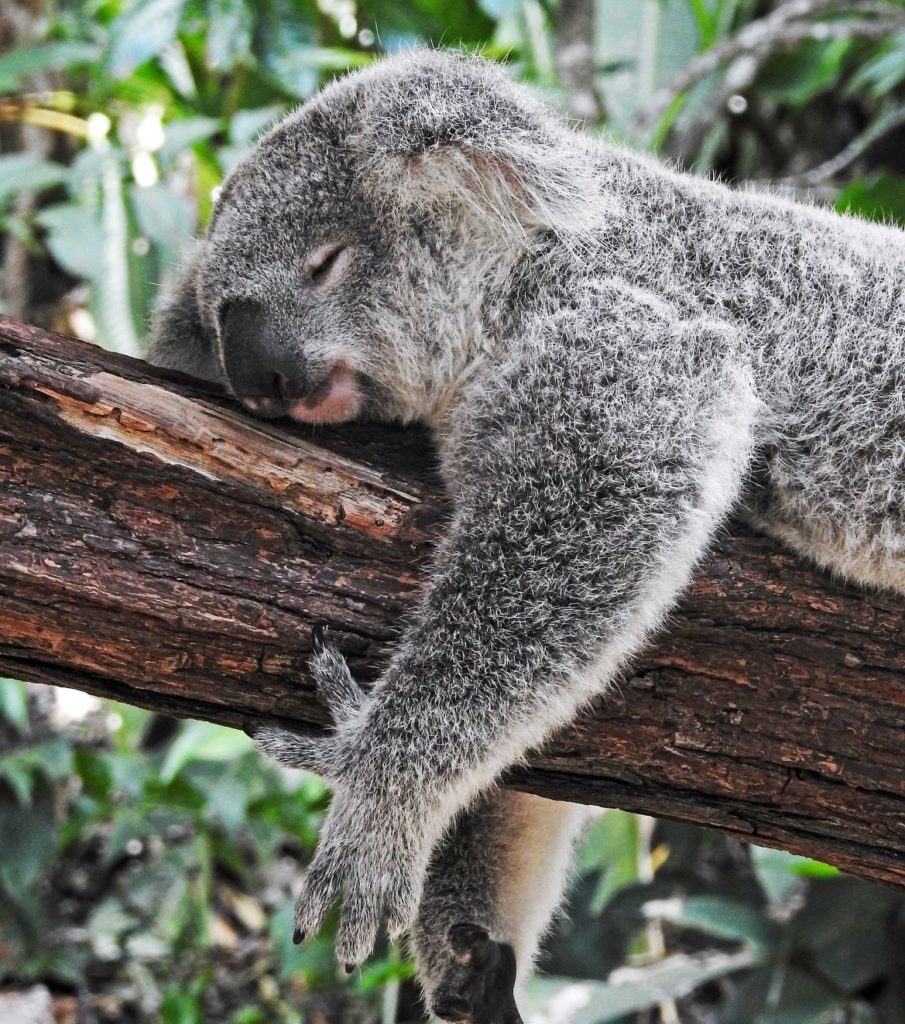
(146, 867)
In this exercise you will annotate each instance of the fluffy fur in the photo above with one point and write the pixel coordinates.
(613, 356)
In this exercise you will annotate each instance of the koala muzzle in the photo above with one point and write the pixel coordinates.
(263, 371)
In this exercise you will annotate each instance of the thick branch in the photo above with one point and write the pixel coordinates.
(159, 547)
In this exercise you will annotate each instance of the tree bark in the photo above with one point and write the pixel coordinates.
(159, 547)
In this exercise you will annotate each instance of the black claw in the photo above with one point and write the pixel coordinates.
(317, 639)
(298, 936)
(350, 968)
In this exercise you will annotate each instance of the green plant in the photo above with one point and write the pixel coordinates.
(156, 864)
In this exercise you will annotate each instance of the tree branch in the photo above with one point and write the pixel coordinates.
(791, 23)
(159, 547)
(886, 123)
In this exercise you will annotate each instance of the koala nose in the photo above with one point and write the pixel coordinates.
(263, 372)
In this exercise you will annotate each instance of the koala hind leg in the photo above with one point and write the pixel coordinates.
(493, 884)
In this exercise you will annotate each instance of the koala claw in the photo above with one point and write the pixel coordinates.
(481, 989)
(317, 638)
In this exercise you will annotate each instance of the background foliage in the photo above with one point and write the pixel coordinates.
(145, 866)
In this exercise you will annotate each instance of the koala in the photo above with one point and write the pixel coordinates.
(612, 357)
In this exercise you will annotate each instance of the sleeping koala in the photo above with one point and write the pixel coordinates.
(612, 357)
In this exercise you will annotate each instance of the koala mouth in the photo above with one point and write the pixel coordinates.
(336, 400)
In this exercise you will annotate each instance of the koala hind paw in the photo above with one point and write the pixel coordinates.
(480, 989)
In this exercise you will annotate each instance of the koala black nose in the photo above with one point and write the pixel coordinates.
(263, 372)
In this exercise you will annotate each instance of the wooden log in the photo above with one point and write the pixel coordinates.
(160, 547)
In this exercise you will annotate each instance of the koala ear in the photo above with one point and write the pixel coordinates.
(179, 339)
(462, 130)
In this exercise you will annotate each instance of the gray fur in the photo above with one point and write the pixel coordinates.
(613, 356)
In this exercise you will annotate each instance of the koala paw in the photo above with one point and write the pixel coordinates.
(344, 698)
(376, 867)
(479, 987)
(369, 849)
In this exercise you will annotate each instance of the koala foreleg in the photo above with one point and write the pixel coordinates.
(587, 483)
(493, 884)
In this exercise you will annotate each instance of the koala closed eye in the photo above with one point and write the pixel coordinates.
(327, 263)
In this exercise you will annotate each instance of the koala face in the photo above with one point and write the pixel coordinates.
(349, 259)
(291, 273)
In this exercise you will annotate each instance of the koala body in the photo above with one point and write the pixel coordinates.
(613, 357)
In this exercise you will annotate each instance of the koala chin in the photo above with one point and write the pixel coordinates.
(612, 357)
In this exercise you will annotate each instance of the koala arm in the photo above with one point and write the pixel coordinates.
(588, 473)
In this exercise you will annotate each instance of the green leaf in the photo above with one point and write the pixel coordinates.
(840, 930)
(180, 1007)
(879, 197)
(247, 125)
(797, 78)
(655, 40)
(314, 960)
(165, 217)
(74, 237)
(249, 1015)
(27, 838)
(282, 41)
(107, 927)
(111, 295)
(720, 917)
(21, 172)
(807, 868)
(629, 989)
(140, 33)
(706, 22)
(14, 703)
(128, 823)
(51, 758)
(773, 869)
(19, 65)
(500, 8)
(229, 34)
(183, 134)
(376, 975)
(201, 741)
(882, 73)
(446, 22)
(20, 778)
(174, 62)
(779, 873)
(612, 848)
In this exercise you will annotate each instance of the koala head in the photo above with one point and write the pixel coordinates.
(351, 260)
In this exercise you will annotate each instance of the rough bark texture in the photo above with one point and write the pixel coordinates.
(160, 547)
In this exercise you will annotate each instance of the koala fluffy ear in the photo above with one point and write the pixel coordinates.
(462, 130)
(179, 339)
